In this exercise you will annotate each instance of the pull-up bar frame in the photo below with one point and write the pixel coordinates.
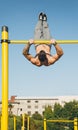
(40, 41)
(5, 41)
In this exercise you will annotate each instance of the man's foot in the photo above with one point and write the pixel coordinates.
(41, 16)
(44, 17)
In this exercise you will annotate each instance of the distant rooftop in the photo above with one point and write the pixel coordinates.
(48, 98)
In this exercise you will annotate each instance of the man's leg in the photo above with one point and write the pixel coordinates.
(46, 31)
(38, 31)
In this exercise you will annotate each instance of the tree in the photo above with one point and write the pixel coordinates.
(37, 116)
(10, 106)
(70, 110)
(57, 110)
(48, 112)
(36, 124)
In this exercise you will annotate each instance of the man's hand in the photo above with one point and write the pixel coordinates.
(31, 41)
(53, 42)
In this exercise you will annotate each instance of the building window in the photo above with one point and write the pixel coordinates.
(20, 109)
(36, 112)
(36, 106)
(36, 101)
(28, 101)
(28, 106)
(29, 113)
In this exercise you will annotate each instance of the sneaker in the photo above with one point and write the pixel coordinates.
(41, 16)
(44, 17)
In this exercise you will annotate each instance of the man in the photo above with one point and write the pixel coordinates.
(43, 51)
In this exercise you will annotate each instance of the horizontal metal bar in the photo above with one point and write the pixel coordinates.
(67, 121)
(44, 41)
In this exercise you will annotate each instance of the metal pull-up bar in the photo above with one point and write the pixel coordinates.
(44, 41)
(41, 41)
(5, 41)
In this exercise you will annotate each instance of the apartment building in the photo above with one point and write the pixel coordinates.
(31, 105)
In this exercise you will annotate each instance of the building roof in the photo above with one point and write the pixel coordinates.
(67, 98)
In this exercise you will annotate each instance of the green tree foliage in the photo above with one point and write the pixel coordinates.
(10, 106)
(36, 124)
(48, 112)
(37, 116)
(11, 123)
(70, 110)
(57, 111)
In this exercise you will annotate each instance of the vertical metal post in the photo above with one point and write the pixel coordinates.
(28, 122)
(45, 124)
(4, 125)
(23, 116)
(14, 122)
(0, 122)
(75, 124)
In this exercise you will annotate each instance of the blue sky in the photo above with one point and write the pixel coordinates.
(26, 79)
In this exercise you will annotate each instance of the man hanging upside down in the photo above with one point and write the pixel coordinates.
(43, 51)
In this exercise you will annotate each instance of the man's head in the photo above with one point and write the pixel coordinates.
(42, 56)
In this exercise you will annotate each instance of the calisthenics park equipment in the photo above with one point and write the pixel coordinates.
(75, 122)
(5, 43)
(45, 121)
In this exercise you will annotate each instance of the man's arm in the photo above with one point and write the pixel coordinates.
(26, 51)
(29, 56)
(59, 52)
